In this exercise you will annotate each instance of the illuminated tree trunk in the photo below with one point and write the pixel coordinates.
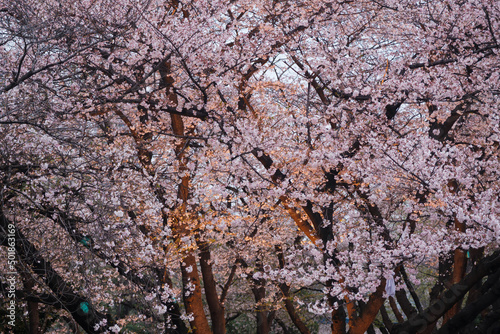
(180, 226)
(190, 278)
(192, 295)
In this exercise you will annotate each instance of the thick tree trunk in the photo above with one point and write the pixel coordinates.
(459, 267)
(80, 307)
(338, 317)
(291, 311)
(34, 317)
(369, 311)
(215, 306)
(33, 312)
(263, 326)
(475, 256)
(439, 307)
(189, 269)
(491, 294)
(190, 278)
(192, 295)
(385, 318)
(445, 269)
(405, 304)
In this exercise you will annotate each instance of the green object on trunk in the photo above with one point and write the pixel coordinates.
(84, 306)
(85, 241)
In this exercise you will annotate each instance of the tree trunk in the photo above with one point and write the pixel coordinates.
(192, 295)
(259, 292)
(215, 306)
(338, 317)
(439, 307)
(285, 289)
(470, 312)
(459, 266)
(369, 311)
(33, 312)
(80, 308)
(395, 310)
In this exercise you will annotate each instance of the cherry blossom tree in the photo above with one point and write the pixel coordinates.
(207, 165)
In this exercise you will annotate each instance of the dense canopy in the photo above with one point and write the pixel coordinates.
(250, 166)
